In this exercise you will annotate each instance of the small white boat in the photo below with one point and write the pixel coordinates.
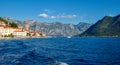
(68, 36)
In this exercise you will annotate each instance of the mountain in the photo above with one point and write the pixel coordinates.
(3, 22)
(19, 23)
(82, 26)
(108, 26)
(55, 28)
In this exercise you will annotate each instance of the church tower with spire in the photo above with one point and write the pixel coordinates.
(27, 25)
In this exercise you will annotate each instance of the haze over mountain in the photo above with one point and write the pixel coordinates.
(55, 28)
(108, 26)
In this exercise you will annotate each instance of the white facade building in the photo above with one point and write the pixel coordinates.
(20, 33)
(6, 31)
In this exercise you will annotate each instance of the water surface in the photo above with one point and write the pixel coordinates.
(60, 51)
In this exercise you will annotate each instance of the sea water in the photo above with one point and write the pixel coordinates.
(60, 51)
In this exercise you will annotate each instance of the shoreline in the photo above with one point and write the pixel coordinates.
(19, 37)
(56, 36)
(99, 36)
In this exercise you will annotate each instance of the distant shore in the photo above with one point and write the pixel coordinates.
(19, 37)
(56, 36)
(103, 36)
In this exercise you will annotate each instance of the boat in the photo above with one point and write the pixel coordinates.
(68, 36)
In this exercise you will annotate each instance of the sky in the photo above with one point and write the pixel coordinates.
(65, 11)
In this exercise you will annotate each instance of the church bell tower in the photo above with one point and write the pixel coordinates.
(27, 25)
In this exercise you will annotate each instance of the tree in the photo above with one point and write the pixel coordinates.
(14, 25)
(1, 19)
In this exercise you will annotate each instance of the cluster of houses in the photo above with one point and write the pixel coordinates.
(8, 31)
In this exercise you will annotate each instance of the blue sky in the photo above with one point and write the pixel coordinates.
(65, 11)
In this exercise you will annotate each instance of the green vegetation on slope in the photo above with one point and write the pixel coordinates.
(2, 20)
(14, 25)
(108, 26)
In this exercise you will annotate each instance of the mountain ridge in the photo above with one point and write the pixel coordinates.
(55, 28)
(107, 26)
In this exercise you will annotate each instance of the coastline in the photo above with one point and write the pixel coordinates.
(7, 38)
(3, 38)
(19, 37)
(102, 36)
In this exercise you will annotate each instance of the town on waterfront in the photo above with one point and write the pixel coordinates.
(12, 30)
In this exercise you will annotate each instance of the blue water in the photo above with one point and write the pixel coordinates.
(60, 51)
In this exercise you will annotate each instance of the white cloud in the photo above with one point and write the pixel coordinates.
(68, 16)
(43, 15)
(53, 17)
